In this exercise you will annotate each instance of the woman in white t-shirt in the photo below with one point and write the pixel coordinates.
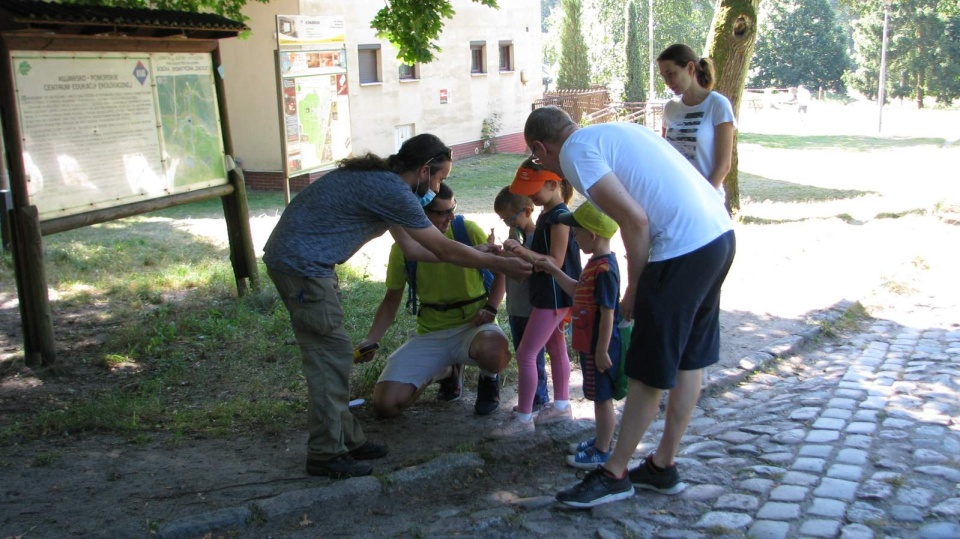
(699, 122)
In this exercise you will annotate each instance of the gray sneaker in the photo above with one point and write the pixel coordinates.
(665, 482)
(598, 487)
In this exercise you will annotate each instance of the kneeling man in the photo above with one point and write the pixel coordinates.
(456, 324)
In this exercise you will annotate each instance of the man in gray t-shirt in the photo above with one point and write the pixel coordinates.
(323, 226)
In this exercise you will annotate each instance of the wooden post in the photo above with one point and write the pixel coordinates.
(235, 209)
(38, 342)
(26, 244)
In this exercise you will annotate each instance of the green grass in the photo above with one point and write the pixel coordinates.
(182, 354)
(836, 142)
(477, 180)
(755, 188)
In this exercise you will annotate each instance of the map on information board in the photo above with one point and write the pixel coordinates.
(315, 103)
(190, 118)
(321, 110)
(103, 129)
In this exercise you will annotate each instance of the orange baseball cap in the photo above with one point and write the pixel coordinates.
(528, 181)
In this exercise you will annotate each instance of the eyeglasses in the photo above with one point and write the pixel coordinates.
(444, 213)
(512, 220)
(447, 152)
(533, 156)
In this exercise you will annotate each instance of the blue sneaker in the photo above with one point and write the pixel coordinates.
(576, 447)
(588, 459)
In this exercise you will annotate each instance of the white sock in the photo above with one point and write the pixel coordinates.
(561, 405)
(526, 418)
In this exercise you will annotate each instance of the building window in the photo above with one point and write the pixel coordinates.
(369, 62)
(478, 56)
(409, 72)
(506, 56)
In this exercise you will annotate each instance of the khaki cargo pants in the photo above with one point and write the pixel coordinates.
(327, 354)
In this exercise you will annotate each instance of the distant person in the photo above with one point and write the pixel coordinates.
(698, 122)
(516, 211)
(803, 99)
(456, 323)
(596, 312)
(551, 304)
(325, 225)
(679, 246)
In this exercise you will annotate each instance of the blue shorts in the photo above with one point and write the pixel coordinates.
(597, 386)
(677, 314)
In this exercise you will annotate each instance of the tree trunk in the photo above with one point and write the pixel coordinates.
(733, 34)
(920, 83)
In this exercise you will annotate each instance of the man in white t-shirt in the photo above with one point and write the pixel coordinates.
(680, 245)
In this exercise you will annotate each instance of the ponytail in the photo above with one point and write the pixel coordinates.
(566, 191)
(706, 75)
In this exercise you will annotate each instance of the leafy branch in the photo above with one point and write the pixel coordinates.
(413, 25)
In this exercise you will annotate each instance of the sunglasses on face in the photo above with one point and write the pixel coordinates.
(447, 152)
(444, 213)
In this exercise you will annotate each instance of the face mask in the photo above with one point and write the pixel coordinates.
(427, 198)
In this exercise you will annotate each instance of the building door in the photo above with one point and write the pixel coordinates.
(401, 133)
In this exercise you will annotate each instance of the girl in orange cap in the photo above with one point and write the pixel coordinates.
(550, 303)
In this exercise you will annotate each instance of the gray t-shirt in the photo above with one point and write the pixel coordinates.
(518, 292)
(333, 217)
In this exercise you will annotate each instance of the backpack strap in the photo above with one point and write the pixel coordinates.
(460, 231)
(410, 268)
(460, 234)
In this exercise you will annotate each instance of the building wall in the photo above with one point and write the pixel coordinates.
(376, 110)
(251, 87)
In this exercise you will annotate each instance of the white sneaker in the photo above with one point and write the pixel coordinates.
(551, 414)
(514, 428)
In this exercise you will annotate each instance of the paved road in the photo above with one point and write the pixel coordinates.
(855, 438)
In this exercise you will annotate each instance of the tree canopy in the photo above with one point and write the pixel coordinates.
(923, 49)
(675, 21)
(799, 42)
(412, 26)
(637, 61)
(574, 66)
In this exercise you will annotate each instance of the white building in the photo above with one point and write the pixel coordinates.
(490, 63)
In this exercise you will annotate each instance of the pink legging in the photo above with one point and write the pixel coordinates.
(543, 330)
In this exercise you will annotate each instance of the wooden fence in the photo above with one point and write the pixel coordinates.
(577, 103)
(594, 106)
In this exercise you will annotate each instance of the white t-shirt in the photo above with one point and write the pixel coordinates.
(691, 130)
(684, 211)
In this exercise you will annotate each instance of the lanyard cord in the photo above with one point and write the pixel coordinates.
(553, 282)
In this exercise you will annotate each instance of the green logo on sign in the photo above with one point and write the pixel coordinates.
(24, 67)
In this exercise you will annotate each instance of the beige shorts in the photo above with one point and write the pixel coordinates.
(427, 356)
